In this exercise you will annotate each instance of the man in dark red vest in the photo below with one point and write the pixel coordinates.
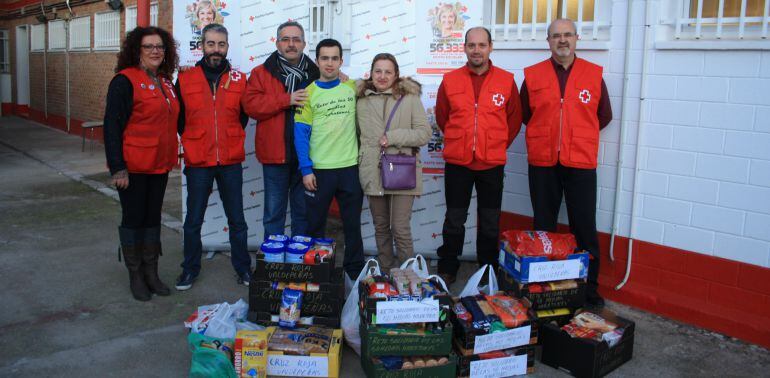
(477, 108)
(211, 124)
(565, 104)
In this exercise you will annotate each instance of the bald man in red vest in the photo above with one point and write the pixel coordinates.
(565, 104)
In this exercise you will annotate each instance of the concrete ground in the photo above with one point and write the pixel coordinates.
(67, 310)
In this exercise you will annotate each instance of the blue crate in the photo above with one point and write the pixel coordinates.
(518, 266)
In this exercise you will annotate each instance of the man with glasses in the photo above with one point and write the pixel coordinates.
(565, 103)
(211, 123)
(275, 89)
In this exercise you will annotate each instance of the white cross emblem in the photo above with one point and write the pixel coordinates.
(235, 75)
(498, 99)
(585, 96)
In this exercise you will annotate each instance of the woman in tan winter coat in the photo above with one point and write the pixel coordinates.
(409, 129)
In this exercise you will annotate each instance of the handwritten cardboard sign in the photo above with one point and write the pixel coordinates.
(502, 340)
(297, 366)
(393, 312)
(554, 270)
(498, 367)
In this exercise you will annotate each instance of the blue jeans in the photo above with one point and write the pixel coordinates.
(283, 182)
(199, 184)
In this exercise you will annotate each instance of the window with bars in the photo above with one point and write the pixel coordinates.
(718, 20)
(57, 32)
(131, 16)
(5, 66)
(37, 38)
(80, 33)
(528, 20)
(107, 31)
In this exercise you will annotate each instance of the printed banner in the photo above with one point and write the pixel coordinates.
(379, 27)
(441, 30)
(191, 16)
(259, 24)
(432, 154)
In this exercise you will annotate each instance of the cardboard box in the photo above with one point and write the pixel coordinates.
(264, 318)
(374, 343)
(587, 357)
(465, 336)
(570, 298)
(526, 269)
(525, 354)
(285, 272)
(327, 301)
(314, 365)
(250, 353)
(376, 370)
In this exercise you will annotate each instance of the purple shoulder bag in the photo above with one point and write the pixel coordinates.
(398, 171)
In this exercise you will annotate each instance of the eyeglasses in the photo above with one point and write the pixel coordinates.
(565, 35)
(292, 39)
(154, 47)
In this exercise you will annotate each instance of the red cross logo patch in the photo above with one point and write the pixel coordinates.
(585, 96)
(235, 75)
(498, 99)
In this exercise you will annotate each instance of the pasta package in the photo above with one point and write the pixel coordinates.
(291, 304)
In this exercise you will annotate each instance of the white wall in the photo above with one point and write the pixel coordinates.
(704, 174)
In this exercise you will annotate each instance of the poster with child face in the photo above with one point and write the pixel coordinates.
(196, 15)
(441, 31)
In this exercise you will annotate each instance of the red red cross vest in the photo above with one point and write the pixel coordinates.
(149, 140)
(213, 134)
(474, 129)
(563, 130)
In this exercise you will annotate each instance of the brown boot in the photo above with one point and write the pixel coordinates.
(151, 251)
(132, 257)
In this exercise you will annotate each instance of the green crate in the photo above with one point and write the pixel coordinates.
(377, 344)
(376, 370)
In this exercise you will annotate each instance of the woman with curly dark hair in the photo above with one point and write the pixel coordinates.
(140, 142)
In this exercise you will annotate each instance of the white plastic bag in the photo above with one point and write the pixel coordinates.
(418, 264)
(222, 323)
(472, 286)
(350, 317)
(441, 281)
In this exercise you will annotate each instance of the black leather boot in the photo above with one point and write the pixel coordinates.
(151, 251)
(132, 257)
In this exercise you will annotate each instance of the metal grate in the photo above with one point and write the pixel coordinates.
(131, 16)
(57, 35)
(107, 30)
(37, 38)
(528, 20)
(720, 19)
(80, 33)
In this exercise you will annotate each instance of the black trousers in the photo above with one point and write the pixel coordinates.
(344, 185)
(142, 201)
(459, 182)
(578, 186)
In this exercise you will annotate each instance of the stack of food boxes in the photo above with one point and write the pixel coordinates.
(405, 329)
(296, 274)
(494, 335)
(299, 352)
(296, 286)
(545, 269)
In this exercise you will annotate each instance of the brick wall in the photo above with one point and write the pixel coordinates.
(90, 72)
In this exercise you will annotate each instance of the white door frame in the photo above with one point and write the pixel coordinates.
(22, 64)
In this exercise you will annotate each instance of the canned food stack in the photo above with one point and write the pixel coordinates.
(405, 328)
(295, 283)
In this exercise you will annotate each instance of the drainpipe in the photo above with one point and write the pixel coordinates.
(623, 130)
(67, 69)
(45, 83)
(642, 119)
(143, 13)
